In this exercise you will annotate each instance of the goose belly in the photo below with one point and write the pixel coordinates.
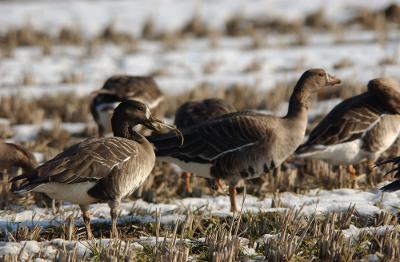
(200, 169)
(76, 193)
(344, 153)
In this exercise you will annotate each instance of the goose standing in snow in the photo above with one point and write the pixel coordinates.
(195, 112)
(243, 145)
(99, 169)
(359, 128)
(120, 88)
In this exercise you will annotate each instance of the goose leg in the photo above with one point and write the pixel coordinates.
(232, 196)
(56, 209)
(114, 210)
(188, 187)
(352, 172)
(371, 173)
(218, 183)
(86, 220)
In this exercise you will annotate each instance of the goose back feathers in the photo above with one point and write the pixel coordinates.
(13, 155)
(106, 163)
(194, 112)
(395, 185)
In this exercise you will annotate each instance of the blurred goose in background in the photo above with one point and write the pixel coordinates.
(99, 169)
(359, 128)
(243, 145)
(120, 88)
(13, 155)
(195, 112)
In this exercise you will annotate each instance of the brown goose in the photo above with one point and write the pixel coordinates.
(120, 88)
(13, 155)
(243, 145)
(359, 128)
(99, 169)
(195, 112)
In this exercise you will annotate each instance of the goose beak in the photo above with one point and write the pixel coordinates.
(332, 80)
(156, 124)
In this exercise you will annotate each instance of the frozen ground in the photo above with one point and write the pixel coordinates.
(353, 55)
(187, 66)
(92, 16)
(315, 202)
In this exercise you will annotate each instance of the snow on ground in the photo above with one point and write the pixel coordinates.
(129, 16)
(315, 202)
(185, 67)
(29, 132)
(49, 248)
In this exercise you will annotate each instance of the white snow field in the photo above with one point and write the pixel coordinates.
(354, 54)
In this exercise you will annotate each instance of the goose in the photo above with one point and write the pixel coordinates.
(119, 88)
(359, 128)
(14, 155)
(103, 169)
(193, 113)
(243, 145)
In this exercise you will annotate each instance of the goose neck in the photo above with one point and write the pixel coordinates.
(124, 129)
(299, 103)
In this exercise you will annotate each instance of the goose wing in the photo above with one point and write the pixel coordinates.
(350, 120)
(209, 140)
(395, 185)
(90, 160)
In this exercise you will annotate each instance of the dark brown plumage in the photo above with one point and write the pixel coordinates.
(13, 155)
(395, 185)
(195, 112)
(120, 88)
(243, 145)
(99, 169)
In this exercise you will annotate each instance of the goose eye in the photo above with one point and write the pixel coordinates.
(140, 108)
(321, 74)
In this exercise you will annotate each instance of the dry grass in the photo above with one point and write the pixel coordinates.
(66, 107)
(237, 25)
(292, 236)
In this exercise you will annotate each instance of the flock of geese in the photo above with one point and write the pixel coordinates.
(210, 139)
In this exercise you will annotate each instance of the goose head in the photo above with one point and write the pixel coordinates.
(311, 81)
(387, 92)
(316, 79)
(134, 113)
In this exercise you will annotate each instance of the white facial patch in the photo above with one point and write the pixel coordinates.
(148, 113)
